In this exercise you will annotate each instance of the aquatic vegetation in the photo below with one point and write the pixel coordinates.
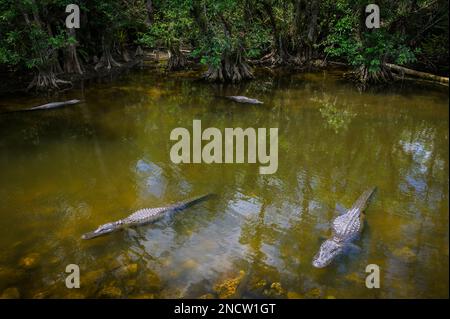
(275, 291)
(337, 117)
(227, 288)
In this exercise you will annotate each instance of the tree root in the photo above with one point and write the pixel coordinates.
(47, 82)
(364, 77)
(107, 59)
(126, 55)
(275, 59)
(177, 60)
(229, 71)
(139, 52)
(72, 63)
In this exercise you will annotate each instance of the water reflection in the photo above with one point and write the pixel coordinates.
(337, 118)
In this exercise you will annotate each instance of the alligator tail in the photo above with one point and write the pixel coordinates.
(363, 200)
(191, 202)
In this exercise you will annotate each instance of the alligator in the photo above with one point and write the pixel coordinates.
(47, 106)
(244, 99)
(143, 216)
(346, 228)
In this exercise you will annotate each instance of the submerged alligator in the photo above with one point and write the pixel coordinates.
(143, 216)
(47, 106)
(346, 228)
(244, 99)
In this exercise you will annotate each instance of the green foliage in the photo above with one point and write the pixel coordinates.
(337, 117)
(171, 26)
(33, 35)
(27, 44)
(362, 47)
(230, 33)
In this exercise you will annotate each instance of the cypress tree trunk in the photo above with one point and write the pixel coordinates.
(177, 60)
(71, 61)
(364, 77)
(280, 54)
(106, 61)
(232, 68)
(45, 78)
(149, 17)
(306, 30)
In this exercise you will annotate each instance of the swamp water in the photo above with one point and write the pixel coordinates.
(64, 172)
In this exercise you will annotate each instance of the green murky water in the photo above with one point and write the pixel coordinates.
(64, 172)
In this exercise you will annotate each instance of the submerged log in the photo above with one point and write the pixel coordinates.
(418, 74)
(47, 106)
(244, 99)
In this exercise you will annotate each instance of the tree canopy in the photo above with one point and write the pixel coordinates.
(227, 36)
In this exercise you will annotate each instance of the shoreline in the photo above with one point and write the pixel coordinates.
(16, 83)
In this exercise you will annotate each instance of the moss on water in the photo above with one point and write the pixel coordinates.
(275, 291)
(228, 288)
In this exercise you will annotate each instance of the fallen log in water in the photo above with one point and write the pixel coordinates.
(47, 106)
(417, 74)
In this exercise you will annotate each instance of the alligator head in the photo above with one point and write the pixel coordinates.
(101, 230)
(327, 252)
